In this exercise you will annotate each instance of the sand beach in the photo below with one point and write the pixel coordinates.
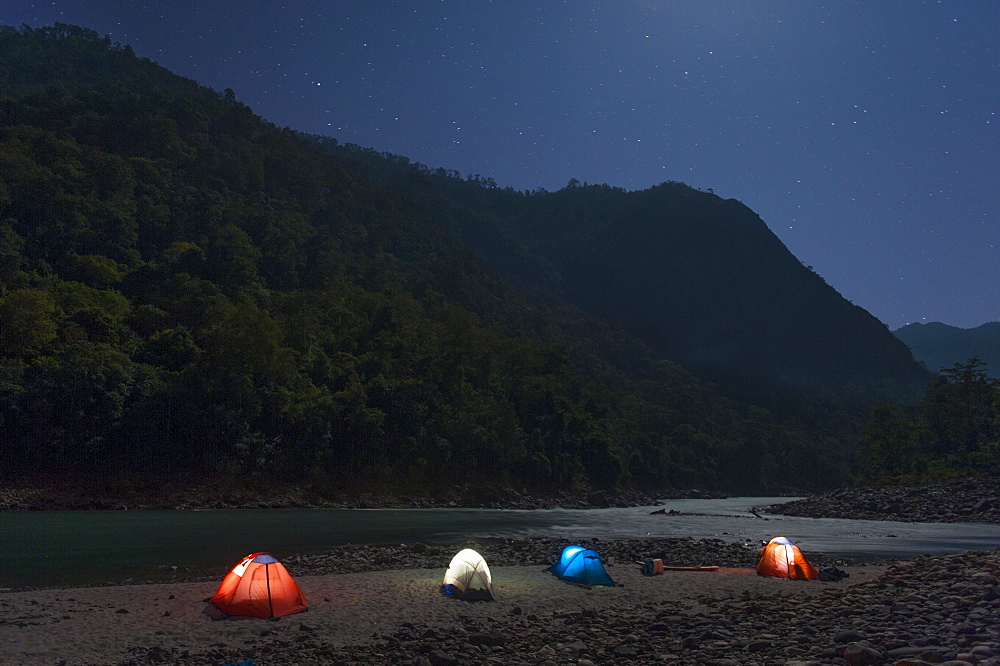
(933, 609)
(103, 625)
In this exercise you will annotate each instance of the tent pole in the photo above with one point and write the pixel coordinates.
(267, 576)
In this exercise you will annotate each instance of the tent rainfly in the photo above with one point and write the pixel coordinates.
(781, 558)
(468, 577)
(259, 586)
(580, 565)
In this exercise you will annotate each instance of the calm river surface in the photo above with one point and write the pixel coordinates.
(41, 548)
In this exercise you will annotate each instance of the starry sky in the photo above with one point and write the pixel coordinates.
(865, 134)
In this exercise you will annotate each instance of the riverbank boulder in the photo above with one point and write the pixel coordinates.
(965, 500)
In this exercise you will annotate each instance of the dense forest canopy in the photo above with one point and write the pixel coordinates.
(189, 294)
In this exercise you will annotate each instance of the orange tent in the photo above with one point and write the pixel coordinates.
(783, 559)
(259, 586)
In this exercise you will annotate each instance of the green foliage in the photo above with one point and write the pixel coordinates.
(188, 290)
(961, 409)
(28, 323)
(955, 430)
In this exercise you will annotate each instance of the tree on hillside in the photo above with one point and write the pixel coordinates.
(189, 292)
(961, 409)
(955, 429)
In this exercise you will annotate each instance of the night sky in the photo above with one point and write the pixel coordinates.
(865, 134)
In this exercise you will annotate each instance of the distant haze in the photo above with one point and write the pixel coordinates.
(938, 345)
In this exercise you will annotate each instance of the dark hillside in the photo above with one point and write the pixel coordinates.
(706, 282)
(190, 295)
(700, 279)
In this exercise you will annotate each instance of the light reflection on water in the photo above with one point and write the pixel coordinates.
(69, 547)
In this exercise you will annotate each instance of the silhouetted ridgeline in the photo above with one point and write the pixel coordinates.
(938, 345)
(190, 294)
(700, 279)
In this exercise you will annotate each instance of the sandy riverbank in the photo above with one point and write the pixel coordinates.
(929, 610)
(100, 624)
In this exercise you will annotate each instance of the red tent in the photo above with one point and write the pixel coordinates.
(259, 586)
(783, 559)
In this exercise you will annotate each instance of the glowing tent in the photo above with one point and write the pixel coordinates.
(783, 559)
(468, 577)
(259, 586)
(580, 565)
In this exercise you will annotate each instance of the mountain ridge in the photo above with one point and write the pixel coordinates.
(582, 230)
(191, 293)
(938, 345)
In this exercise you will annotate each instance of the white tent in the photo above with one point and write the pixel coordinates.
(468, 577)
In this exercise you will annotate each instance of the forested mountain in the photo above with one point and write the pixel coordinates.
(938, 345)
(700, 279)
(189, 294)
(955, 428)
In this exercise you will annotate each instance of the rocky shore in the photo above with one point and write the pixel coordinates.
(539, 551)
(929, 611)
(942, 609)
(485, 497)
(960, 501)
(375, 605)
(932, 610)
(965, 500)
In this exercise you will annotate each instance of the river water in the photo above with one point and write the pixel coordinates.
(46, 548)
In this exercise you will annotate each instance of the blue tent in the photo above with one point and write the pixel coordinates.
(580, 565)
